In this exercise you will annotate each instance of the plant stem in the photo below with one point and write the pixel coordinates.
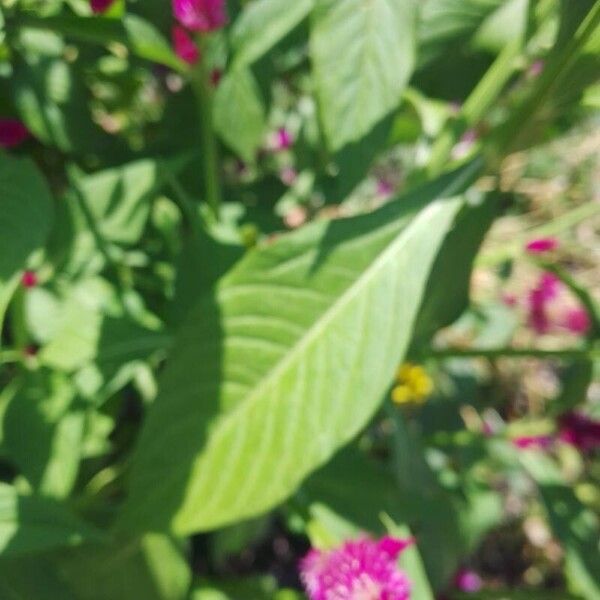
(569, 354)
(475, 107)
(522, 120)
(210, 149)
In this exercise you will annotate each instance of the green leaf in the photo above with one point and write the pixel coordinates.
(443, 21)
(43, 435)
(152, 568)
(447, 294)
(120, 199)
(363, 55)
(262, 24)
(137, 34)
(239, 113)
(285, 363)
(32, 524)
(25, 221)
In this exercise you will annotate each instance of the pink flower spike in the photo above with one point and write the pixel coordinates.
(200, 15)
(577, 321)
(12, 133)
(468, 581)
(529, 442)
(358, 570)
(29, 279)
(184, 45)
(542, 245)
(100, 6)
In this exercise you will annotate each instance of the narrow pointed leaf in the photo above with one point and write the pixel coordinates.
(285, 363)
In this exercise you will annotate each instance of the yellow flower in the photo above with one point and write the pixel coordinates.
(414, 385)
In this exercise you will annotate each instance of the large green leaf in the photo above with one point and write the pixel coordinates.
(263, 24)
(32, 524)
(25, 220)
(363, 55)
(285, 363)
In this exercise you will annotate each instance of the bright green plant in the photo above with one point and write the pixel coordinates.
(172, 363)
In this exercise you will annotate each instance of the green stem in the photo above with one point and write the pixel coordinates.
(570, 354)
(210, 149)
(475, 107)
(522, 121)
(186, 204)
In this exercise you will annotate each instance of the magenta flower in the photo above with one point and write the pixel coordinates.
(184, 45)
(12, 133)
(542, 245)
(29, 279)
(577, 321)
(468, 581)
(362, 569)
(528, 442)
(100, 6)
(385, 188)
(546, 290)
(281, 140)
(580, 431)
(200, 15)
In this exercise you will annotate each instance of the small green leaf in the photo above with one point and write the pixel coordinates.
(32, 524)
(25, 221)
(239, 113)
(43, 435)
(363, 53)
(137, 34)
(262, 24)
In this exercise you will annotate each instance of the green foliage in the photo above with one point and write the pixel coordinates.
(190, 395)
(363, 55)
(327, 283)
(25, 221)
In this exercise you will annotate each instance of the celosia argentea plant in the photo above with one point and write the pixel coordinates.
(257, 340)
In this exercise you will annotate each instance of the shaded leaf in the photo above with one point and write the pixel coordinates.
(262, 24)
(363, 55)
(32, 524)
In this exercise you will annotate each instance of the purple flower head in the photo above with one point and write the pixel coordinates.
(362, 569)
(100, 6)
(542, 245)
(385, 188)
(200, 15)
(184, 46)
(281, 140)
(536, 68)
(527, 442)
(577, 321)
(546, 290)
(29, 279)
(468, 581)
(12, 133)
(580, 431)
